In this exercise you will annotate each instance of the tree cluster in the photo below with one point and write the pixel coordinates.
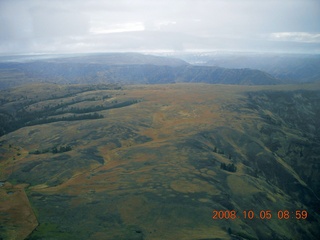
(53, 150)
(71, 118)
(230, 167)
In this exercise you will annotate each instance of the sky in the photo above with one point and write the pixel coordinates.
(78, 26)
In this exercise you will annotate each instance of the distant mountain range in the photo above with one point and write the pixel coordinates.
(290, 68)
(126, 68)
(135, 68)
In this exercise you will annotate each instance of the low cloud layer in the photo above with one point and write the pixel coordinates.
(303, 37)
(43, 26)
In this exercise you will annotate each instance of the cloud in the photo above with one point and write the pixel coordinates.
(51, 22)
(303, 37)
(103, 25)
(15, 21)
(102, 28)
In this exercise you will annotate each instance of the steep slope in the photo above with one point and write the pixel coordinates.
(168, 165)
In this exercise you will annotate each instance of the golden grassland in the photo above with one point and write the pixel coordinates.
(16, 212)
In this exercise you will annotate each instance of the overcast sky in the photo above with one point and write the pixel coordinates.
(57, 26)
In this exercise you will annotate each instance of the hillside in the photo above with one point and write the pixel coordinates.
(168, 161)
(125, 68)
(290, 68)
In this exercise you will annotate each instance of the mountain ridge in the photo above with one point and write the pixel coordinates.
(290, 68)
(126, 68)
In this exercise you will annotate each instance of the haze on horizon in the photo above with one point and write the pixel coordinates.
(77, 26)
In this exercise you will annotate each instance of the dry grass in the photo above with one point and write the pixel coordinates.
(17, 216)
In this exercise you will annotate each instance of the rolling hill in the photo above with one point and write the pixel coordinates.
(169, 161)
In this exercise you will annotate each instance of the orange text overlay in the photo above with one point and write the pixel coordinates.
(262, 214)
